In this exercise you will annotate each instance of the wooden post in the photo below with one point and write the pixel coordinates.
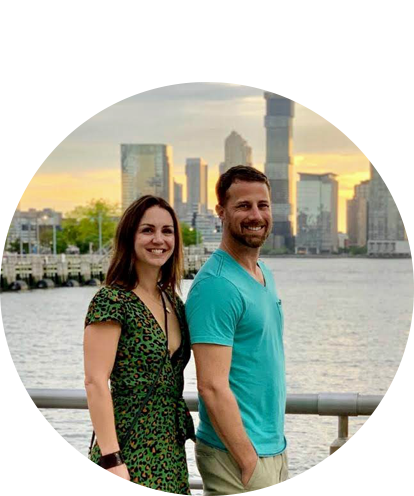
(343, 466)
(1, 469)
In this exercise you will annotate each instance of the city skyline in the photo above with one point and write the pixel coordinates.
(194, 119)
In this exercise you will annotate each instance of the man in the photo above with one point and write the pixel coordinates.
(236, 325)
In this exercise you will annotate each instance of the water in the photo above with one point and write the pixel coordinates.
(346, 326)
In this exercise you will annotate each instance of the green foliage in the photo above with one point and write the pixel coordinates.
(14, 247)
(266, 250)
(81, 227)
(190, 235)
(6, 230)
(358, 250)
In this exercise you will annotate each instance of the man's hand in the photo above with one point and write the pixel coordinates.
(116, 481)
(247, 471)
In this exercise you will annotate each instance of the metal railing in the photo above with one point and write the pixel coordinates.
(343, 451)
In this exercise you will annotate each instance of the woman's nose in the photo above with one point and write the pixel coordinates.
(157, 237)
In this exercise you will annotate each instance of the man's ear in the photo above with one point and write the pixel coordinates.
(220, 211)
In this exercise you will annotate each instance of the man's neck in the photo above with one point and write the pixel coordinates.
(247, 257)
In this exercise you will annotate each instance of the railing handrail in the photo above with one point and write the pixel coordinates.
(330, 404)
(341, 405)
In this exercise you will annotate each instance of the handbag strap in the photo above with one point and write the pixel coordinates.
(148, 395)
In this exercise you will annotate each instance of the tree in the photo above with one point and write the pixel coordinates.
(14, 246)
(82, 226)
(190, 235)
(4, 232)
(358, 250)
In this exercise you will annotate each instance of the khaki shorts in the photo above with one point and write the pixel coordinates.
(221, 475)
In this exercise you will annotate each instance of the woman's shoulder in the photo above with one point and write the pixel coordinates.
(174, 296)
(107, 304)
(114, 294)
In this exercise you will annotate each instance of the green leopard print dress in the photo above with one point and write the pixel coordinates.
(154, 451)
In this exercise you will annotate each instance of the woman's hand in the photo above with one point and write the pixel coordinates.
(116, 481)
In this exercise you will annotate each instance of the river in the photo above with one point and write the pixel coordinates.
(346, 326)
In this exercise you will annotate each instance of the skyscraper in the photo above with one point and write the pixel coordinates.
(278, 167)
(146, 170)
(357, 215)
(179, 205)
(236, 152)
(317, 214)
(388, 194)
(196, 171)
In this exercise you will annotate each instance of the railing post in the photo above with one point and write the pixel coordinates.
(343, 462)
(1, 469)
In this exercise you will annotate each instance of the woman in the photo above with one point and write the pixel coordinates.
(136, 336)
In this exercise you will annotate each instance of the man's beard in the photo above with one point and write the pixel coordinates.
(251, 241)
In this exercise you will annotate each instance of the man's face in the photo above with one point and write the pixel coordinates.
(247, 215)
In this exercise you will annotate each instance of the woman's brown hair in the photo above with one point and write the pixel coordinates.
(122, 270)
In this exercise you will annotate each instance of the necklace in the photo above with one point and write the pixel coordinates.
(154, 300)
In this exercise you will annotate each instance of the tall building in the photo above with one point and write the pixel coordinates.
(196, 171)
(29, 229)
(317, 214)
(279, 167)
(9, 207)
(388, 195)
(410, 206)
(147, 169)
(357, 215)
(236, 152)
(179, 205)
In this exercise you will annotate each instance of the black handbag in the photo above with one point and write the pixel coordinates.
(84, 482)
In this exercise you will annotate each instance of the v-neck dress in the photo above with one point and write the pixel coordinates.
(154, 450)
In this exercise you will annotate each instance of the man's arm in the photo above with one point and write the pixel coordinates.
(213, 367)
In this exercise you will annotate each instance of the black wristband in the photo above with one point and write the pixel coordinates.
(111, 460)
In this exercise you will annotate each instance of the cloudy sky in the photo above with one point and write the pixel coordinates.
(195, 119)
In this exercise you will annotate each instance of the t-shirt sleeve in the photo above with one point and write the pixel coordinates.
(213, 309)
(106, 305)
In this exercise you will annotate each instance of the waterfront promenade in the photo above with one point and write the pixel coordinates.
(343, 467)
(44, 271)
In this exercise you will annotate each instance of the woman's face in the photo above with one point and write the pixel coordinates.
(155, 238)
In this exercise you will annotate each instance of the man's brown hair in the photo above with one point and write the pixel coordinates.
(238, 173)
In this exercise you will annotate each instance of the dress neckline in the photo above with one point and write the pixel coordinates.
(134, 295)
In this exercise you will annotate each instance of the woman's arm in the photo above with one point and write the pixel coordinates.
(100, 346)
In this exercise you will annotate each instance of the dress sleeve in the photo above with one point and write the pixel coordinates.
(106, 305)
(213, 308)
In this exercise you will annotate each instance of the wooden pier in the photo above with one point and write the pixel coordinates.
(43, 271)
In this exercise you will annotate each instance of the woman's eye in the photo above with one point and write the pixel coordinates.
(146, 230)
(168, 231)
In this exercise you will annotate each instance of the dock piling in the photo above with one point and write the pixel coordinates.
(343, 462)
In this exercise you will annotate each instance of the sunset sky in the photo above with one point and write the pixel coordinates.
(195, 119)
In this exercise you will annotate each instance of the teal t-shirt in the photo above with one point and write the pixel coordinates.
(227, 306)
